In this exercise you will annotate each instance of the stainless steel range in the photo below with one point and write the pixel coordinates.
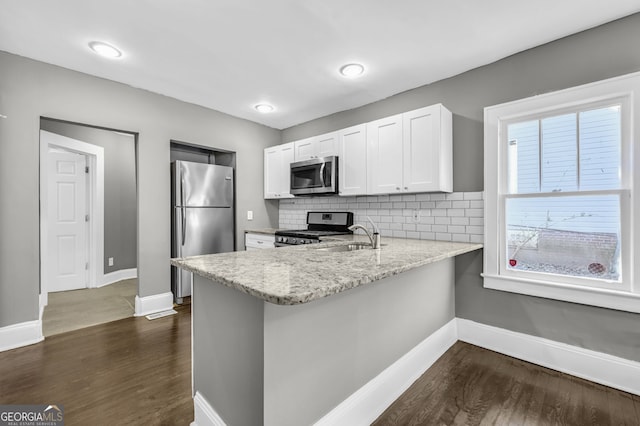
(319, 225)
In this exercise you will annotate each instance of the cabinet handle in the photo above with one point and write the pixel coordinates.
(259, 242)
(397, 188)
(406, 187)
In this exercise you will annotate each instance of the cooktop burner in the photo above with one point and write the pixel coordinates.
(320, 224)
(310, 233)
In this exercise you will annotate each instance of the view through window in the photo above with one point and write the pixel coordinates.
(562, 204)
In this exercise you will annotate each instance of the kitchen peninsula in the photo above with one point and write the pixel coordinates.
(282, 336)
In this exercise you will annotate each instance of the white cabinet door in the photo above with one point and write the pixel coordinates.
(384, 155)
(352, 160)
(276, 171)
(326, 145)
(305, 149)
(315, 147)
(427, 150)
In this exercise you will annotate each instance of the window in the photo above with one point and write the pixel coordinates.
(558, 194)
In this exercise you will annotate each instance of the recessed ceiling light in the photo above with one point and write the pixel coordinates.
(264, 108)
(352, 70)
(104, 49)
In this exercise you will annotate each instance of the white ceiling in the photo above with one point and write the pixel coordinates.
(229, 55)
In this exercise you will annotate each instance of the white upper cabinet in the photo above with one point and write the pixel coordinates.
(352, 160)
(384, 155)
(316, 147)
(427, 150)
(411, 152)
(276, 170)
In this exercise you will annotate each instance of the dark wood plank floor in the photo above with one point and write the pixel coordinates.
(134, 371)
(127, 372)
(469, 385)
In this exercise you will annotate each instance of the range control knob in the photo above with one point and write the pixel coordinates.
(294, 240)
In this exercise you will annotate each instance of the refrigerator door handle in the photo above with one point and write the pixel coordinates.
(182, 206)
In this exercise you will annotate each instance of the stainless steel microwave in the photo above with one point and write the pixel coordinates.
(318, 176)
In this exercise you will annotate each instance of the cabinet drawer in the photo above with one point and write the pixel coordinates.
(259, 241)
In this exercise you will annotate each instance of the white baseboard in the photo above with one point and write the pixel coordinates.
(115, 276)
(21, 334)
(367, 403)
(595, 366)
(152, 304)
(204, 414)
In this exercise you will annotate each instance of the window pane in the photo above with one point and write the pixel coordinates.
(600, 149)
(559, 154)
(577, 236)
(524, 157)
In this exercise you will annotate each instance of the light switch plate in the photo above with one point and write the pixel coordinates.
(249, 214)
(111, 261)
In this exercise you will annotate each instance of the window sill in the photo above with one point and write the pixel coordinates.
(619, 300)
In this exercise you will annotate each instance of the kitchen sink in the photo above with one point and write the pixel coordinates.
(346, 247)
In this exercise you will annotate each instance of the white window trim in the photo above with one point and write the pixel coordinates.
(625, 87)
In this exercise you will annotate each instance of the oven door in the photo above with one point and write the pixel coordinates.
(315, 177)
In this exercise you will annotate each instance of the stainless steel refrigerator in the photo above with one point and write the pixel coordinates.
(202, 216)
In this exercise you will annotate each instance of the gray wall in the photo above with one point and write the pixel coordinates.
(30, 90)
(599, 53)
(120, 215)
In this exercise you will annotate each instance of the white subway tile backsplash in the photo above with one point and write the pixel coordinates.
(458, 216)
(423, 228)
(455, 196)
(460, 238)
(473, 195)
(427, 204)
(460, 221)
(474, 212)
(476, 239)
(460, 204)
(442, 220)
(456, 229)
(476, 221)
(439, 228)
(478, 230)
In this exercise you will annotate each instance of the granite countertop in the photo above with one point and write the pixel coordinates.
(300, 274)
(265, 231)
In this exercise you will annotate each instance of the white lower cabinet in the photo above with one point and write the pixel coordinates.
(254, 241)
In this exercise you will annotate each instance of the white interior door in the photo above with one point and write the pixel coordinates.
(67, 226)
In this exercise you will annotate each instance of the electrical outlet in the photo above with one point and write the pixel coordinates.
(111, 261)
(416, 216)
(249, 214)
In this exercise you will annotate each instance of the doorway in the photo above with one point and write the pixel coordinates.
(88, 217)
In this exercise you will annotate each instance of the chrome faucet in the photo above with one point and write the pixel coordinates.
(373, 237)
